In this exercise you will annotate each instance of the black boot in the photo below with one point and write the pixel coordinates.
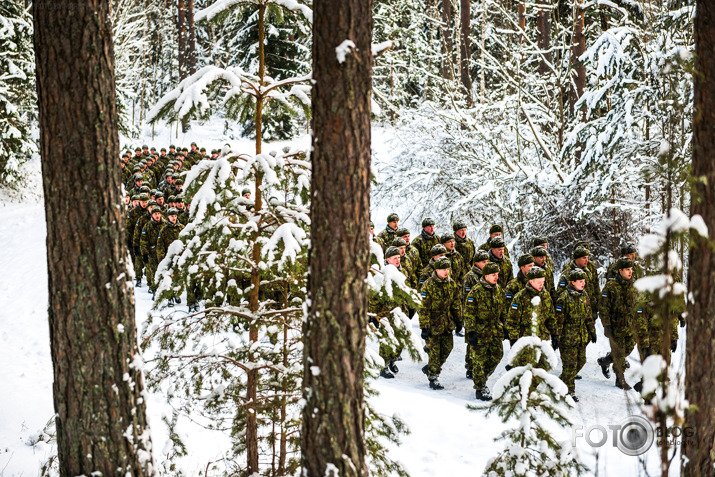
(508, 367)
(573, 396)
(483, 394)
(469, 374)
(425, 368)
(578, 376)
(621, 383)
(393, 367)
(628, 365)
(638, 386)
(604, 363)
(138, 282)
(385, 373)
(434, 384)
(177, 300)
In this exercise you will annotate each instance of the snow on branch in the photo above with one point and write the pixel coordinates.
(211, 12)
(342, 50)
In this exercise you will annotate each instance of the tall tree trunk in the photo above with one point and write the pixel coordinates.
(465, 50)
(447, 40)
(181, 31)
(191, 47)
(482, 68)
(98, 384)
(700, 360)
(543, 28)
(578, 47)
(333, 425)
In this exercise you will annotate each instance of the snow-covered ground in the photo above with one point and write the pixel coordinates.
(446, 438)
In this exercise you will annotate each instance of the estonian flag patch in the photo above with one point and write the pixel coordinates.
(604, 294)
(424, 295)
(640, 310)
(558, 308)
(470, 299)
(514, 306)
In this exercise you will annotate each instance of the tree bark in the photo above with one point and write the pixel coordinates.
(98, 385)
(543, 28)
(578, 47)
(465, 50)
(700, 359)
(181, 30)
(447, 40)
(333, 427)
(191, 46)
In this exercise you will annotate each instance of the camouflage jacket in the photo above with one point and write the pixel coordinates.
(149, 237)
(131, 221)
(184, 217)
(459, 266)
(638, 271)
(408, 269)
(646, 309)
(414, 256)
(426, 273)
(167, 235)
(519, 319)
(506, 273)
(387, 236)
(141, 222)
(486, 246)
(440, 307)
(470, 281)
(515, 286)
(485, 310)
(592, 287)
(617, 308)
(466, 249)
(574, 319)
(424, 243)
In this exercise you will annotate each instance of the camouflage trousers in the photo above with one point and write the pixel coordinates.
(440, 346)
(138, 266)
(389, 354)
(622, 345)
(485, 358)
(150, 271)
(573, 358)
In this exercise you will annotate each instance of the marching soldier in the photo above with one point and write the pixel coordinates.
(526, 262)
(494, 232)
(497, 254)
(388, 235)
(425, 241)
(464, 245)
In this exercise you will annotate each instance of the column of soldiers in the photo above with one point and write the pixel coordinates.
(464, 287)
(154, 207)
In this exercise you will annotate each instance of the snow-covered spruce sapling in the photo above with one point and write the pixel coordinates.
(531, 396)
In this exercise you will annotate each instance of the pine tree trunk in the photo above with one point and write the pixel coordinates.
(700, 360)
(578, 47)
(543, 28)
(465, 50)
(333, 425)
(447, 40)
(100, 411)
(191, 47)
(181, 30)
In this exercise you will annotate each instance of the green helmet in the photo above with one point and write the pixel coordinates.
(442, 263)
(159, 194)
(143, 196)
(481, 256)
(172, 211)
(539, 252)
(145, 146)
(203, 149)
(391, 252)
(580, 252)
(628, 249)
(536, 272)
(152, 192)
(178, 200)
(246, 190)
(151, 203)
(163, 149)
(135, 197)
(393, 217)
(145, 189)
(172, 147)
(171, 198)
(497, 242)
(526, 259)
(399, 242)
(372, 224)
(539, 241)
(180, 182)
(138, 177)
(437, 250)
(402, 231)
(582, 243)
(490, 268)
(175, 175)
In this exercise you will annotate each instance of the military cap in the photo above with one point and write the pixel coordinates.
(580, 252)
(159, 194)
(497, 242)
(214, 151)
(172, 147)
(427, 222)
(393, 217)
(539, 252)
(145, 146)
(137, 149)
(525, 260)
(627, 249)
(168, 173)
(481, 256)
(535, 272)
(143, 196)
(446, 237)
(624, 262)
(193, 143)
(171, 198)
(538, 241)
(490, 268)
(175, 175)
(391, 252)
(151, 203)
(178, 199)
(185, 149)
(372, 224)
(203, 149)
(138, 176)
(153, 191)
(163, 149)
(180, 182)
(152, 149)
(576, 274)
(135, 197)
(495, 228)
(246, 190)
(438, 249)
(442, 263)
(143, 162)
(399, 242)
(137, 168)
(459, 225)
(172, 211)
(145, 189)
(402, 231)
(582, 243)
(155, 209)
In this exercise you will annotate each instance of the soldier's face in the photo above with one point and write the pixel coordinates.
(443, 273)
(180, 205)
(579, 284)
(156, 216)
(581, 262)
(461, 233)
(247, 195)
(402, 250)
(540, 261)
(481, 264)
(406, 238)
(498, 252)
(626, 273)
(172, 219)
(143, 203)
(449, 245)
(632, 256)
(492, 278)
(393, 224)
(193, 148)
(372, 230)
(394, 260)
(160, 201)
(538, 283)
(438, 256)
(214, 156)
(429, 229)
(495, 234)
(525, 269)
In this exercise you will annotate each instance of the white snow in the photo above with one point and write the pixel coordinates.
(342, 50)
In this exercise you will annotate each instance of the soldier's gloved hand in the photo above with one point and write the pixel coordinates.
(648, 352)
(593, 337)
(608, 331)
(472, 339)
(681, 320)
(374, 321)
(426, 334)
(511, 342)
(458, 326)
(673, 346)
(555, 342)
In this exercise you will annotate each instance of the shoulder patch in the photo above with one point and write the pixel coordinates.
(470, 299)
(467, 288)
(562, 283)
(424, 294)
(604, 294)
(558, 307)
(514, 306)
(508, 295)
(640, 310)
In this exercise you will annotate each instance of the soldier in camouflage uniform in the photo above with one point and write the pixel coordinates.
(437, 252)
(526, 262)
(167, 235)
(382, 307)
(464, 245)
(131, 222)
(147, 244)
(494, 232)
(581, 261)
(406, 266)
(388, 235)
(541, 259)
(542, 242)
(439, 310)
(627, 251)
(484, 315)
(481, 258)
(618, 306)
(410, 251)
(459, 263)
(590, 266)
(575, 328)
(497, 254)
(425, 241)
(184, 215)
(519, 319)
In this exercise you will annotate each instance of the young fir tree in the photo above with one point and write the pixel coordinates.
(18, 96)
(532, 396)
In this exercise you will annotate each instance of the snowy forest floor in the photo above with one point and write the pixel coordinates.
(446, 438)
